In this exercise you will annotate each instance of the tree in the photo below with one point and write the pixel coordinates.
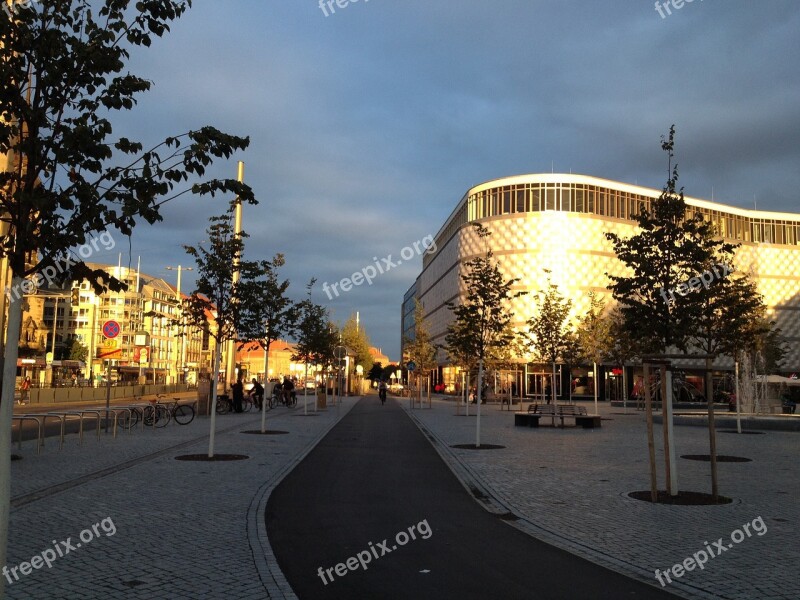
(674, 252)
(622, 346)
(315, 340)
(418, 347)
(548, 332)
(355, 338)
(770, 343)
(217, 297)
(482, 318)
(593, 336)
(73, 350)
(389, 370)
(62, 75)
(376, 372)
(668, 252)
(266, 313)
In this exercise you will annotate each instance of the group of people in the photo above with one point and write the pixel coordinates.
(281, 390)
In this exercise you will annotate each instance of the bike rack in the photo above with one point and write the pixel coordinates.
(122, 409)
(136, 407)
(82, 415)
(39, 430)
(70, 415)
(46, 416)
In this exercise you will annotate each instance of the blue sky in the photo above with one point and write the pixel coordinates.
(368, 125)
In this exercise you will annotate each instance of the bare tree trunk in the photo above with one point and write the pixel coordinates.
(666, 396)
(712, 432)
(6, 412)
(651, 445)
(213, 406)
(478, 397)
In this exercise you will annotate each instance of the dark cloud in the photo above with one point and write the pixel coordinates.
(368, 125)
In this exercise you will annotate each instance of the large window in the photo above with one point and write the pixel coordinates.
(608, 202)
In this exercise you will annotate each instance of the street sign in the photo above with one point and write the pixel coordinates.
(110, 344)
(109, 352)
(411, 365)
(48, 358)
(339, 352)
(110, 329)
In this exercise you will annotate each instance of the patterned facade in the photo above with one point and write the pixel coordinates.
(557, 222)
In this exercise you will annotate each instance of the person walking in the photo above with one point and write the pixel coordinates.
(24, 390)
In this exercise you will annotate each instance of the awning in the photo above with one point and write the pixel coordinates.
(31, 363)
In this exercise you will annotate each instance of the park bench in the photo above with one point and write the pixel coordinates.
(578, 413)
(531, 417)
(561, 411)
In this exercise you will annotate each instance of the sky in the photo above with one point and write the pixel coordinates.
(368, 124)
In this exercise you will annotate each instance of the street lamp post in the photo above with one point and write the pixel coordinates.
(180, 356)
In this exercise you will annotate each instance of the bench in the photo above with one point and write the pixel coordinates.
(561, 411)
(578, 413)
(533, 414)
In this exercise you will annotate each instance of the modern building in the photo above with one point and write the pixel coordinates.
(558, 222)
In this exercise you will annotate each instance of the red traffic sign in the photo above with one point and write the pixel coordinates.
(110, 329)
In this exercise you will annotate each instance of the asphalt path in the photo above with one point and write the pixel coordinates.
(375, 491)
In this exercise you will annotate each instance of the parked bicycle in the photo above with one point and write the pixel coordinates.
(182, 413)
(160, 412)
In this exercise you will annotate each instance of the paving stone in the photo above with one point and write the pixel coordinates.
(183, 529)
(569, 486)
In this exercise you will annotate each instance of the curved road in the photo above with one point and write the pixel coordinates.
(375, 490)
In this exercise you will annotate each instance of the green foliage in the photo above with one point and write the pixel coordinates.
(315, 339)
(266, 313)
(389, 370)
(419, 348)
(63, 74)
(729, 316)
(593, 334)
(216, 298)
(72, 350)
(623, 344)
(376, 372)
(671, 247)
(771, 343)
(548, 333)
(356, 340)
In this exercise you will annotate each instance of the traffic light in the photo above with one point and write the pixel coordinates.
(76, 295)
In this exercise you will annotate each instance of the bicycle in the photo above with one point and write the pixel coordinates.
(279, 397)
(225, 404)
(255, 401)
(156, 415)
(182, 413)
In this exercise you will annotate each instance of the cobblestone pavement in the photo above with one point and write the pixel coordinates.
(167, 528)
(569, 487)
